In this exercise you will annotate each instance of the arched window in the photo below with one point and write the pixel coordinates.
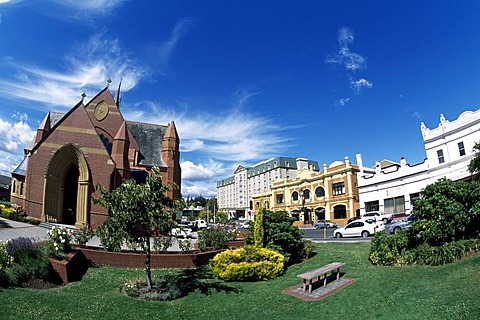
(295, 196)
(319, 192)
(106, 143)
(306, 194)
(340, 212)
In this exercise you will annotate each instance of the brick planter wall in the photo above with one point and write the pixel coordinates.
(101, 257)
(72, 268)
(77, 262)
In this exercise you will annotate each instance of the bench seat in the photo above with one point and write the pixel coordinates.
(307, 277)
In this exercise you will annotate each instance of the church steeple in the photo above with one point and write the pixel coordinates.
(171, 157)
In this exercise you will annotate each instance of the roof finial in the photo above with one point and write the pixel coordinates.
(117, 99)
(83, 96)
(108, 82)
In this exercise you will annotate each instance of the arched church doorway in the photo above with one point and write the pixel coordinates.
(70, 190)
(67, 187)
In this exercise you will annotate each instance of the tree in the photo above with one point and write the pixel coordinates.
(137, 211)
(447, 211)
(258, 229)
(474, 165)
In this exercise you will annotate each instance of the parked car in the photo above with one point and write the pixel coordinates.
(352, 219)
(379, 216)
(359, 228)
(245, 224)
(401, 225)
(182, 231)
(325, 223)
(199, 224)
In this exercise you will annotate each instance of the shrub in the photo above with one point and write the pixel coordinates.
(309, 249)
(28, 264)
(59, 241)
(161, 243)
(248, 263)
(280, 234)
(4, 256)
(387, 249)
(185, 245)
(164, 288)
(84, 235)
(20, 243)
(212, 239)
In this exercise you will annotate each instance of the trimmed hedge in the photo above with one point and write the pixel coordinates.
(248, 263)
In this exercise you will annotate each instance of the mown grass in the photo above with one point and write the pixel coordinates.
(415, 292)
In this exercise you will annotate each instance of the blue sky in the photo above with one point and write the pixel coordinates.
(245, 80)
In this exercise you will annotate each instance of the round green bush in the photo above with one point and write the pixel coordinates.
(248, 263)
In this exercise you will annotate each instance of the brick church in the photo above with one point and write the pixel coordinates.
(89, 145)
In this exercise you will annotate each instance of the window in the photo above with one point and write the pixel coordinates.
(414, 197)
(395, 205)
(306, 194)
(338, 188)
(340, 212)
(267, 205)
(372, 206)
(441, 159)
(319, 192)
(279, 198)
(461, 149)
(295, 196)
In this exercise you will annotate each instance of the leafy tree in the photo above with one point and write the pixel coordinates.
(259, 231)
(474, 165)
(220, 216)
(137, 211)
(448, 211)
(281, 235)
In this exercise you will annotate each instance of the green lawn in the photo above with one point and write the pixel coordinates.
(416, 292)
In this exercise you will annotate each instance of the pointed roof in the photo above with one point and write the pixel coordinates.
(171, 131)
(45, 125)
(122, 133)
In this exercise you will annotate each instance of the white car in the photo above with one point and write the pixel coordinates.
(359, 228)
(182, 231)
(379, 216)
(245, 224)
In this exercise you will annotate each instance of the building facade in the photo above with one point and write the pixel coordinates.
(329, 194)
(394, 187)
(90, 145)
(235, 194)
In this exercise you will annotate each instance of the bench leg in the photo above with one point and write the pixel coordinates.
(325, 277)
(304, 284)
(338, 273)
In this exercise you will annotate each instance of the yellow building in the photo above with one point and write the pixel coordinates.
(330, 194)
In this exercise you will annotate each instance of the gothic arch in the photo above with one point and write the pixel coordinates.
(53, 198)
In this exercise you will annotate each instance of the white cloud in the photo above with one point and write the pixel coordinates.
(87, 71)
(85, 10)
(360, 84)
(350, 60)
(16, 136)
(342, 102)
(194, 172)
(165, 50)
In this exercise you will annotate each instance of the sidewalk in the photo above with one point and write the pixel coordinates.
(10, 229)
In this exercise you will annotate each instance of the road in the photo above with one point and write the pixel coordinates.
(319, 235)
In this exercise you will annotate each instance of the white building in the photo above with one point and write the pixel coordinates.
(393, 187)
(235, 193)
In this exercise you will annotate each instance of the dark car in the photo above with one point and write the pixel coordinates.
(352, 219)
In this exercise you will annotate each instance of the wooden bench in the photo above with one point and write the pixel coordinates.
(307, 277)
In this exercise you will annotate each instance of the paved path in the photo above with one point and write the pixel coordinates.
(10, 229)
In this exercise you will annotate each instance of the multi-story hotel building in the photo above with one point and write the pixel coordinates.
(393, 187)
(235, 193)
(313, 195)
